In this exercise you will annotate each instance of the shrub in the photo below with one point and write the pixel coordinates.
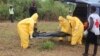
(3, 10)
(50, 9)
(47, 45)
(47, 9)
(20, 8)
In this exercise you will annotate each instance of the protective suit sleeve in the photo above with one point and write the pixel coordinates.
(33, 21)
(64, 25)
(31, 27)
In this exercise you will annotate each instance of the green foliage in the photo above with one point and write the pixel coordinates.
(20, 8)
(3, 10)
(60, 9)
(53, 9)
(47, 9)
(44, 7)
(47, 45)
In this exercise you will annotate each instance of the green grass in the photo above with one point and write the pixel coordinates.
(48, 45)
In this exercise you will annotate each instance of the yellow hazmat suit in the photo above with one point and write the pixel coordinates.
(77, 30)
(64, 25)
(25, 29)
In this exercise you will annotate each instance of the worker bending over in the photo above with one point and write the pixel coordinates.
(77, 30)
(26, 28)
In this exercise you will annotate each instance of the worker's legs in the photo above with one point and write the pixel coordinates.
(75, 37)
(91, 37)
(87, 43)
(73, 40)
(95, 45)
(24, 38)
(80, 35)
(11, 18)
(80, 38)
(95, 50)
(24, 41)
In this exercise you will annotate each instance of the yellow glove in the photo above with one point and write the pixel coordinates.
(31, 37)
(76, 28)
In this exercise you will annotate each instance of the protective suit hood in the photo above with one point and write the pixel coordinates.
(69, 17)
(35, 17)
(64, 25)
(61, 19)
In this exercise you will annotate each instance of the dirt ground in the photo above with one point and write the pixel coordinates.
(10, 43)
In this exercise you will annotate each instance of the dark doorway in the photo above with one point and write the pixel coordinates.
(81, 11)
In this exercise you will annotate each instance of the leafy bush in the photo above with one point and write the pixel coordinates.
(20, 8)
(50, 9)
(47, 45)
(47, 9)
(3, 10)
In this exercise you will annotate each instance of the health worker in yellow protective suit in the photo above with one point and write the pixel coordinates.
(65, 26)
(25, 29)
(77, 30)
